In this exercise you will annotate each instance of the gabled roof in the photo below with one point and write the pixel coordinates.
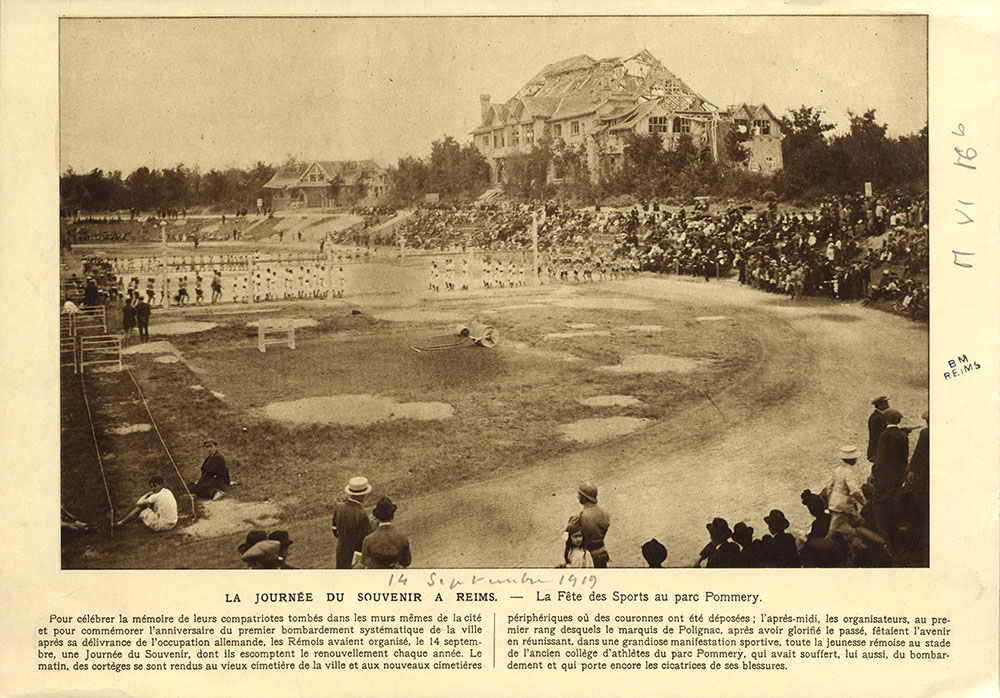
(751, 111)
(580, 85)
(348, 171)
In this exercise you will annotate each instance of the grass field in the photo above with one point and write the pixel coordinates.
(660, 358)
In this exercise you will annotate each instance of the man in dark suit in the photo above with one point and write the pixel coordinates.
(916, 489)
(142, 318)
(214, 474)
(350, 523)
(888, 471)
(876, 425)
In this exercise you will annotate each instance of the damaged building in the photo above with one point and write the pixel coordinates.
(327, 184)
(593, 104)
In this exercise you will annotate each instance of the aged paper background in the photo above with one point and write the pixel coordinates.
(962, 582)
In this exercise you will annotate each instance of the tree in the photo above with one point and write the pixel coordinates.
(526, 174)
(805, 150)
(865, 153)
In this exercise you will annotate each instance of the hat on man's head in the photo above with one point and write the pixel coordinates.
(776, 519)
(848, 452)
(358, 486)
(384, 509)
(719, 528)
(253, 537)
(742, 533)
(654, 552)
(893, 416)
(588, 490)
(210, 442)
(281, 537)
(880, 398)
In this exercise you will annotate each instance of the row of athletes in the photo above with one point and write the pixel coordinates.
(269, 284)
(495, 274)
(225, 262)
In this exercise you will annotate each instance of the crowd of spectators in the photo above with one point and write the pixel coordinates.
(847, 248)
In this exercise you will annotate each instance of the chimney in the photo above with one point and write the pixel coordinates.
(484, 105)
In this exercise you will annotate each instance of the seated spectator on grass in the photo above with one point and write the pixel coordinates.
(214, 474)
(157, 508)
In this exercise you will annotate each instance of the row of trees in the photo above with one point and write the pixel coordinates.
(815, 163)
(452, 170)
(176, 188)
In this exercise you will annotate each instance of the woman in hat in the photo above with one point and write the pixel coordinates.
(779, 544)
(385, 547)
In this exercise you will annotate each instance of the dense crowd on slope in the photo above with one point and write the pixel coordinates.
(847, 248)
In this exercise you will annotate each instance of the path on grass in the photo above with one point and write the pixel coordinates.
(766, 438)
(778, 433)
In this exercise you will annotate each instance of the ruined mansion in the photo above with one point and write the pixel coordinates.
(596, 103)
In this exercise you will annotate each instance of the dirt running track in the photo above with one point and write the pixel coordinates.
(765, 439)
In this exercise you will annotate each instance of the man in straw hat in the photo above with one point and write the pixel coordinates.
(594, 523)
(844, 497)
(350, 522)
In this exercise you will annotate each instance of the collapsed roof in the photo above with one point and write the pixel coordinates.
(582, 85)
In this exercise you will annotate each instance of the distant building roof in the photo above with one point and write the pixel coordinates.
(581, 85)
(349, 171)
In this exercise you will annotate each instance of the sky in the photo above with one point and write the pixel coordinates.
(215, 93)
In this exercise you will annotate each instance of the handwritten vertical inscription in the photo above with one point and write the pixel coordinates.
(965, 155)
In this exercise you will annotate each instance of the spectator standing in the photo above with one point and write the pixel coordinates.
(845, 499)
(575, 555)
(142, 311)
(888, 472)
(594, 524)
(385, 547)
(128, 321)
(654, 553)
(350, 523)
(916, 488)
(876, 425)
(779, 545)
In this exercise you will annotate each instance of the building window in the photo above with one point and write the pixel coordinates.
(557, 130)
(574, 127)
(682, 125)
(762, 126)
(529, 135)
(515, 137)
(659, 124)
(496, 140)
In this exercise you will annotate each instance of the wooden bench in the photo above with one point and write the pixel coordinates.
(283, 326)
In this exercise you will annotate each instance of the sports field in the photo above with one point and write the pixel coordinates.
(681, 399)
